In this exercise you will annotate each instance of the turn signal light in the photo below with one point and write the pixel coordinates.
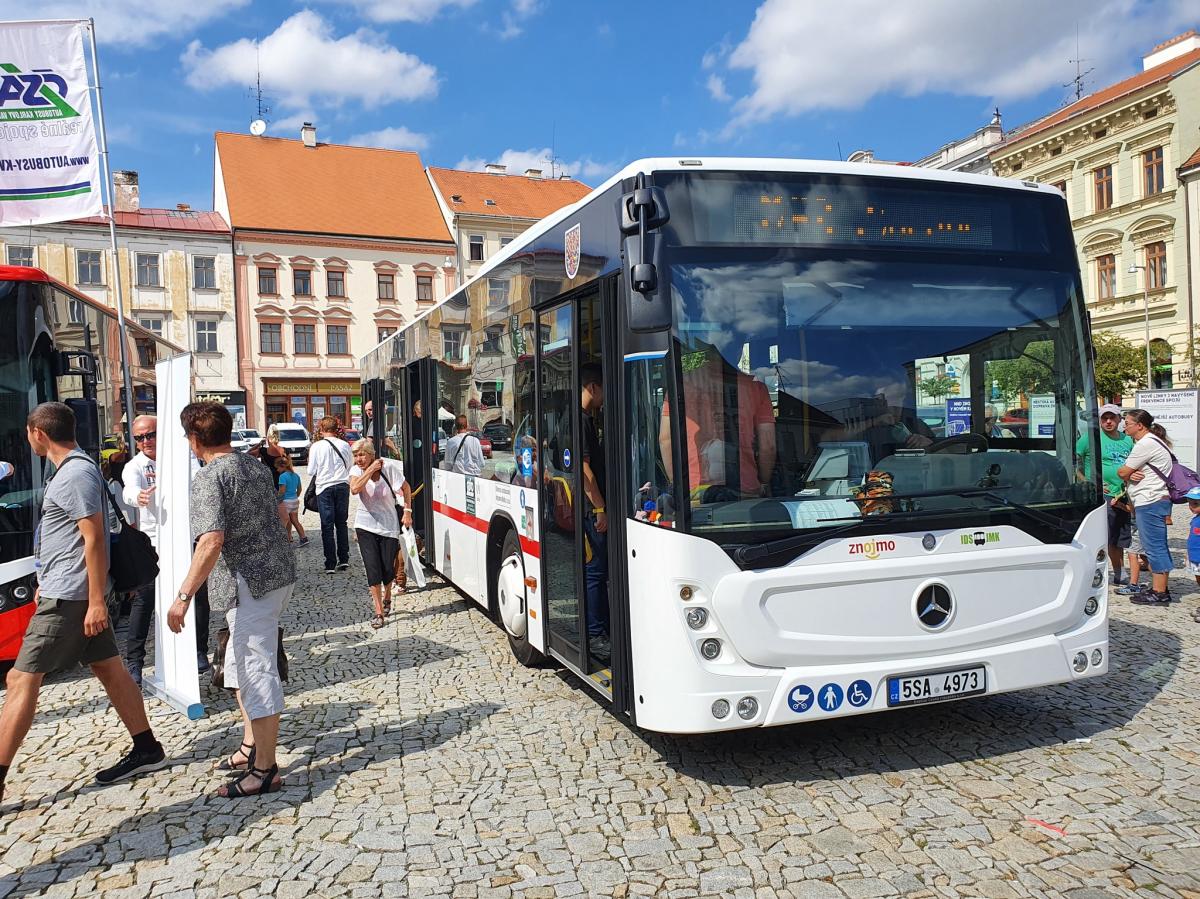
(711, 648)
(720, 708)
(1091, 606)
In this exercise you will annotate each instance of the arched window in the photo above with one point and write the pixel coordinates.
(1160, 364)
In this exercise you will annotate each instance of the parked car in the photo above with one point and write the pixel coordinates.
(1017, 421)
(499, 433)
(350, 435)
(294, 440)
(252, 436)
(237, 439)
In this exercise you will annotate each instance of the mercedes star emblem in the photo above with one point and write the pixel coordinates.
(934, 606)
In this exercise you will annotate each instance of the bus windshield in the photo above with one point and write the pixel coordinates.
(818, 389)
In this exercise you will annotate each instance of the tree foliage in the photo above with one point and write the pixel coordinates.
(1120, 366)
(938, 386)
(1031, 372)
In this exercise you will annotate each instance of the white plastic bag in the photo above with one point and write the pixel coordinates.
(412, 562)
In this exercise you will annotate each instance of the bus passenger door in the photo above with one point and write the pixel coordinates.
(417, 413)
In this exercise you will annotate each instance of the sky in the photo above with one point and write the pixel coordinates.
(594, 84)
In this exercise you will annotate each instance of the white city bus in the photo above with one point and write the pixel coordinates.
(841, 405)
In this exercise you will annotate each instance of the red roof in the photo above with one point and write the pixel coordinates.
(1162, 72)
(518, 196)
(164, 220)
(1192, 161)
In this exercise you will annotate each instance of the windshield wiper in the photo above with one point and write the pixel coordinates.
(1031, 513)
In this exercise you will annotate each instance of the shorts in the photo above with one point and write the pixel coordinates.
(291, 505)
(54, 639)
(378, 555)
(1120, 527)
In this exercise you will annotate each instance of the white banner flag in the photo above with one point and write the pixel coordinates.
(49, 170)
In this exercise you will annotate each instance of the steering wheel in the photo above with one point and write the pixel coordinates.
(972, 442)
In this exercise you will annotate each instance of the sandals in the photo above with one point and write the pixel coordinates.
(230, 764)
(387, 607)
(377, 622)
(269, 782)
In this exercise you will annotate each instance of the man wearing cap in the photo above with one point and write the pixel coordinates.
(1115, 448)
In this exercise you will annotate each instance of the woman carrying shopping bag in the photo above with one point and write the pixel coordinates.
(384, 508)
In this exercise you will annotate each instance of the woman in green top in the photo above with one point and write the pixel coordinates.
(1115, 448)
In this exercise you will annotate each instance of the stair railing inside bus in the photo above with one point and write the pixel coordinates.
(643, 212)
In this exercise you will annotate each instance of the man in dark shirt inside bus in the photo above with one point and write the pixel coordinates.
(595, 522)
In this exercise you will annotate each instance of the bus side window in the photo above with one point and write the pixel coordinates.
(653, 499)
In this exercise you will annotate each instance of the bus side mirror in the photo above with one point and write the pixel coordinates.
(647, 293)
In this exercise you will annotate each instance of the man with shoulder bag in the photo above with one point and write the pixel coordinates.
(329, 461)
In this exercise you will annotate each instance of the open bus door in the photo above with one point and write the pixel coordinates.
(417, 412)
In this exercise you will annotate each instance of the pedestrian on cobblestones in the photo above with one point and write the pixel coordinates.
(1115, 448)
(1145, 470)
(380, 487)
(140, 484)
(329, 461)
(70, 625)
(242, 551)
(288, 491)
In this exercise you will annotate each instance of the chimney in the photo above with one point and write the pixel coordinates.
(533, 173)
(125, 191)
(1168, 50)
(308, 134)
(183, 207)
(495, 168)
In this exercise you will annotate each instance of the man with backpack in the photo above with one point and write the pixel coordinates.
(71, 623)
(329, 461)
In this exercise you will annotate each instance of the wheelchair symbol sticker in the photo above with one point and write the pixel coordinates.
(831, 697)
(800, 699)
(858, 694)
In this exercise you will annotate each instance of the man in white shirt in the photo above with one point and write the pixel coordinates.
(329, 461)
(464, 453)
(140, 479)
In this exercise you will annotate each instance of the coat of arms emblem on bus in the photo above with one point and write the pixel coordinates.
(571, 243)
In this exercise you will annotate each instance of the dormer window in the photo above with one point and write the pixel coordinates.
(489, 202)
(456, 198)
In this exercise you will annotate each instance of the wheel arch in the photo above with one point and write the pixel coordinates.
(498, 527)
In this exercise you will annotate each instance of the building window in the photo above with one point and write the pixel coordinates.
(491, 339)
(335, 283)
(270, 337)
(1106, 276)
(1152, 171)
(75, 311)
(1103, 179)
(497, 293)
(387, 286)
(88, 263)
(20, 256)
(204, 272)
(1156, 265)
(206, 335)
(476, 248)
(337, 340)
(267, 283)
(147, 270)
(302, 282)
(384, 333)
(505, 241)
(152, 323)
(305, 339)
(452, 344)
(424, 288)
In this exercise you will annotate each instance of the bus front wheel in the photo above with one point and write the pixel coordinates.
(511, 601)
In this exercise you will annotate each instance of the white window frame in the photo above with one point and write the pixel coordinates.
(329, 350)
(211, 326)
(196, 272)
(79, 266)
(152, 323)
(9, 255)
(138, 257)
(460, 337)
(473, 241)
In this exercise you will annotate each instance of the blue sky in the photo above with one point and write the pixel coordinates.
(467, 82)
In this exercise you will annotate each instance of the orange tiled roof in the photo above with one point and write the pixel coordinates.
(518, 196)
(1162, 72)
(1192, 161)
(164, 220)
(276, 184)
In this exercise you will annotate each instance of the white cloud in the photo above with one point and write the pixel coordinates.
(135, 23)
(303, 63)
(512, 19)
(395, 138)
(403, 10)
(517, 161)
(804, 56)
(716, 87)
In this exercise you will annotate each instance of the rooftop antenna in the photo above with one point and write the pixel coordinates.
(1078, 81)
(261, 109)
(553, 157)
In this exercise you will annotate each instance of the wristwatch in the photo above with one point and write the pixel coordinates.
(183, 597)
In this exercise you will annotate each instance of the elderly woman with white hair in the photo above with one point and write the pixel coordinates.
(384, 508)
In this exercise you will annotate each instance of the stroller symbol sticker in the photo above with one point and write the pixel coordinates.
(801, 698)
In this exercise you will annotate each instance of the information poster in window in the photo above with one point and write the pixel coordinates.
(958, 416)
(1179, 412)
(1041, 415)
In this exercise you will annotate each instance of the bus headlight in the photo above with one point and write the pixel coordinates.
(1091, 606)
(20, 592)
(720, 708)
(685, 592)
(711, 648)
(748, 707)
(1080, 662)
(1097, 657)
(1098, 578)
(696, 618)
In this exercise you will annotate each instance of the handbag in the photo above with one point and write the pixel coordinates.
(218, 659)
(1180, 480)
(310, 492)
(132, 559)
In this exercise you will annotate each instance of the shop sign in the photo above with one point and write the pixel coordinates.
(317, 387)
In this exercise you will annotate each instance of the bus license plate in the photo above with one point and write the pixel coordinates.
(917, 688)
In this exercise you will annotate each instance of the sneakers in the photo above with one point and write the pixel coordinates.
(303, 541)
(202, 663)
(343, 566)
(600, 648)
(1119, 580)
(1151, 598)
(133, 764)
(330, 570)
(1130, 590)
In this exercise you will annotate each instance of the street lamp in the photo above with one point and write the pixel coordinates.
(1133, 270)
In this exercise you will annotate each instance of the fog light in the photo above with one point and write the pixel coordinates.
(696, 618)
(711, 648)
(1100, 554)
(1091, 606)
(1097, 657)
(1080, 662)
(1098, 578)
(747, 707)
(720, 708)
(20, 592)
(685, 593)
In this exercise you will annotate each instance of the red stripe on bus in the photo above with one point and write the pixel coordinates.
(529, 547)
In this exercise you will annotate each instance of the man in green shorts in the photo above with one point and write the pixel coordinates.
(1115, 447)
(71, 623)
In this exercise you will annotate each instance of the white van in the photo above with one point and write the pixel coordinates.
(294, 440)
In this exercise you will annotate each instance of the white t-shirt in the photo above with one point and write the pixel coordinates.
(1146, 452)
(376, 507)
(329, 461)
(464, 454)
(138, 475)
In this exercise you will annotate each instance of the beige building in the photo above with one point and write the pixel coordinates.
(334, 248)
(176, 274)
(1116, 155)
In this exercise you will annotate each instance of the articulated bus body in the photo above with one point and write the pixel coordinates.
(837, 459)
(43, 320)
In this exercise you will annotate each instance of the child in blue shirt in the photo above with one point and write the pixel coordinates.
(289, 499)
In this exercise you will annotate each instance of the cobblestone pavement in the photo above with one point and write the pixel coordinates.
(421, 760)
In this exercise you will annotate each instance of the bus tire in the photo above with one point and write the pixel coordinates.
(510, 601)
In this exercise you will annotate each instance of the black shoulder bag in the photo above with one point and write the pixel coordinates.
(310, 492)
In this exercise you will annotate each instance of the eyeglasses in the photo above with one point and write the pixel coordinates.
(142, 438)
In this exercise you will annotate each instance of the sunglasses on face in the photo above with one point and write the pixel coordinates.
(142, 438)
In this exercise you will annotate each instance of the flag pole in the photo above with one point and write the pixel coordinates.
(130, 409)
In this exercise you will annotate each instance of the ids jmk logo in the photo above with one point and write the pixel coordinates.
(872, 549)
(34, 95)
(979, 538)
